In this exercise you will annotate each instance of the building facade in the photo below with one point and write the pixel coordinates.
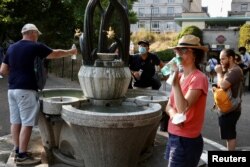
(158, 15)
(239, 8)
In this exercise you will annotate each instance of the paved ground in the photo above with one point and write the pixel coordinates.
(157, 160)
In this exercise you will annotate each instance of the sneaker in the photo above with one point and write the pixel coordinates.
(15, 155)
(27, 161)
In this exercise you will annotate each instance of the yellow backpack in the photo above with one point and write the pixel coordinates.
(224, 100)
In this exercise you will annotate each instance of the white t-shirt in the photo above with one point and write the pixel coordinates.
(246, 59)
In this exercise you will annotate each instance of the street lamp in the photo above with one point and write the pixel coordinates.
(151, 8)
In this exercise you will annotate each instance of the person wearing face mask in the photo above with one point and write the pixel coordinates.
(142, 66)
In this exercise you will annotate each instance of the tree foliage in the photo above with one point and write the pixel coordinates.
(56, 19)
(190, 30)
(244, 36)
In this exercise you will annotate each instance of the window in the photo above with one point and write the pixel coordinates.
(156, 1)
(170, 11)
(141, 11)
(141, 24)
(169, 26)
(243, 7)
(170, 1)
(155, 11)
(155, 25)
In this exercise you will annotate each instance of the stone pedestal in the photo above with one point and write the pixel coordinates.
(112, 139)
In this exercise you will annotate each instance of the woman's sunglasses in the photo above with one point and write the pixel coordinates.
(181, 50)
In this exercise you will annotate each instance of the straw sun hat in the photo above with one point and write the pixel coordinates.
(190, 41)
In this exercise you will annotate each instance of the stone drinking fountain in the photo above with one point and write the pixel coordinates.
(102, 124)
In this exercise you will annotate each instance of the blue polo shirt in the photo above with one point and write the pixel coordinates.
(20, 58)
(147, 66)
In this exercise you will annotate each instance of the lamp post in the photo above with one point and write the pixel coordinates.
(150, 25)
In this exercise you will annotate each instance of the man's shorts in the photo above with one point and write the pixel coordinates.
(24, 106)
(184, 152)
(227, 125)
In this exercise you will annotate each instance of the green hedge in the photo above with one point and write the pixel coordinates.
(166, 55)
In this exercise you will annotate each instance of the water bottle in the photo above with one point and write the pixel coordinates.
(167, 69)
(73, 57)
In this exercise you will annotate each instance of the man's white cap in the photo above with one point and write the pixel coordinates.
(30, 27)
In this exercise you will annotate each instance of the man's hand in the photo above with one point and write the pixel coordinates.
(218, 69)
(136, 74)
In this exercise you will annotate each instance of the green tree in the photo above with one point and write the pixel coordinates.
(244, 36)
(57, 19)
(189, 30)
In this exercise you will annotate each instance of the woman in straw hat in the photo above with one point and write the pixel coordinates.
(186, 106)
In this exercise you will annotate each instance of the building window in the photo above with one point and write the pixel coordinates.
(155, 25)
(243, 7)
(141, 24)
(170, 1)
(156, 1)
(141, 12)
(155, 11)
(169, 26)
(170, 11)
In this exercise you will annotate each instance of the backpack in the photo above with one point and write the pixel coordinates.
(40, 72)
(224, 101)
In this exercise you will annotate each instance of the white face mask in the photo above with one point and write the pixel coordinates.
(142, 50)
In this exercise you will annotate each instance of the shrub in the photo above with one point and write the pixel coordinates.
(166, 55)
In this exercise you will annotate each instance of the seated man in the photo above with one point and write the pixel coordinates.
(142, 66)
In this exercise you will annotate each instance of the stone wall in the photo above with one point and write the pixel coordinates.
(231, 37)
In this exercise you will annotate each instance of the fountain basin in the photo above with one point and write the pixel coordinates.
(162, 100)
(144, 100)
(71, 92)
(61, 143)
(53, 105)
(113, 139)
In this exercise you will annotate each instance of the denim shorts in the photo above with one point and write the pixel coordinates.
(24, 106)
(184, 152)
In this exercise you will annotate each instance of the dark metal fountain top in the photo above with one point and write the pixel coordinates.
(122, 40)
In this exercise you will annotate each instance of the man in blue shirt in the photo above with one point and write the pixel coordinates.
(142, 67)
(22, 94)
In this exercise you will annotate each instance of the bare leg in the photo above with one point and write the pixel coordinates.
(15, 131)
(25, 138)
(231, 144)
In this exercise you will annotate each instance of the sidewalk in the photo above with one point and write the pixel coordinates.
(156, 160)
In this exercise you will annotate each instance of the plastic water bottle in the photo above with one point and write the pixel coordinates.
(73, 57)
(167, 69)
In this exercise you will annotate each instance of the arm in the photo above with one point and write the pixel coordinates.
(221, 82)
(4, 70)
(184, 102)
(170, 110)
(59, 53)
